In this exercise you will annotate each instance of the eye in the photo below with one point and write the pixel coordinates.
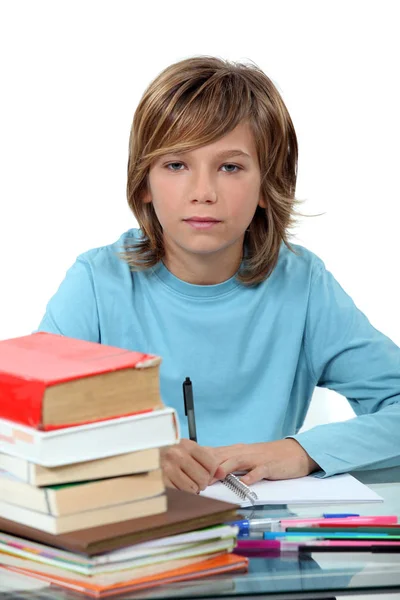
(234, 170)
(176, 166)
(173, 165)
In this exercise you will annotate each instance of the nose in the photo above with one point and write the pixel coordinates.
(203, 190)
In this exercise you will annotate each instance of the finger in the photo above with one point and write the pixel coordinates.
(181, 481)
(256, 474)
(179, 458)
(238, 463)
(196, 472)
(168, 482)
(203, 456)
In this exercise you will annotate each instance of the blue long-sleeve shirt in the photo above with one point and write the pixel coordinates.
(254, 354)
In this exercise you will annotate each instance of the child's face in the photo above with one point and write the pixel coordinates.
(205, 199)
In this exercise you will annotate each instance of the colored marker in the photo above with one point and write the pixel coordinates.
(257, 544)
(322, 530)
(291, 536)
(276, 547)
(348, 546)
(382, 520)
(248, 525)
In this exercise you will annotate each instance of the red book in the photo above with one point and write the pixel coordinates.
(50, 381)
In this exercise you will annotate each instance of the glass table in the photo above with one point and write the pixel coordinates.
(318, 575)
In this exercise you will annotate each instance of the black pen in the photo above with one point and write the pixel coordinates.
(189, 408)
(231, 481)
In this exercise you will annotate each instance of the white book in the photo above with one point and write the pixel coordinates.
(92, 441)
(338, 489)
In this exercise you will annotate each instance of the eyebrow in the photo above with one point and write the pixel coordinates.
(219, 155)
(233, 152)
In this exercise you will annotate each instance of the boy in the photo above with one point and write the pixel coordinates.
(210, 283)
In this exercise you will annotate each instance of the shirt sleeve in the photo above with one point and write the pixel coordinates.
(347, 354)
(72, 311)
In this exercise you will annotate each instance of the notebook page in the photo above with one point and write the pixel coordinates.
(338, 489)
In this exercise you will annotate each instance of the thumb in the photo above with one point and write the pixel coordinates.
(232, 465)
(223, 469)
(256, 474)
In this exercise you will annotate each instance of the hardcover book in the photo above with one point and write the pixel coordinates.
(48, 381)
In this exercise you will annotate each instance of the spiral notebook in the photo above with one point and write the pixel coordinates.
(338, 489)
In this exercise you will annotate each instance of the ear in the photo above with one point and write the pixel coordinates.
(261, 202)
(146, 198)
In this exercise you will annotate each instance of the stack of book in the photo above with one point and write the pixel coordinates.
(189, 541)
(80, 431)
(81, 427)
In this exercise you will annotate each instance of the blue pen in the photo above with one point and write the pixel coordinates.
(339, 515)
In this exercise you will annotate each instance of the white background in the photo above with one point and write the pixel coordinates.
(73, 71)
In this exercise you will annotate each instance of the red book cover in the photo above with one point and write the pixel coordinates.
(30, 364)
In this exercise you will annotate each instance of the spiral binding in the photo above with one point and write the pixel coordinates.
(241, 489)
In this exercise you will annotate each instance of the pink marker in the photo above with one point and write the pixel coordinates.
(257, 545)
(259, 548)
(373, 520)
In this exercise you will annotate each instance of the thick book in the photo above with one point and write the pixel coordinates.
(141, 461)
(73, 522)
(223, 563)
(186, 512)
(89, 442)
(49, 381)
(77, 497)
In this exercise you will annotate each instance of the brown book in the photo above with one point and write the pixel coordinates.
(97, 517)
(63, 381)
(141, 461)
(186, 512)
(78, 497)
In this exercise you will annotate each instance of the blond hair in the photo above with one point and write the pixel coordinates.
(195, 102)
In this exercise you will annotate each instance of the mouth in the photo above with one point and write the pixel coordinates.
(201, 222)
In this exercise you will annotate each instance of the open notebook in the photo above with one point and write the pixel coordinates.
(338, 489)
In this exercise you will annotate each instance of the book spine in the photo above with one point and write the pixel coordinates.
(21, 400)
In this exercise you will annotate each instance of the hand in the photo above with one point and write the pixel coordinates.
(188, 466)
(283, 459)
